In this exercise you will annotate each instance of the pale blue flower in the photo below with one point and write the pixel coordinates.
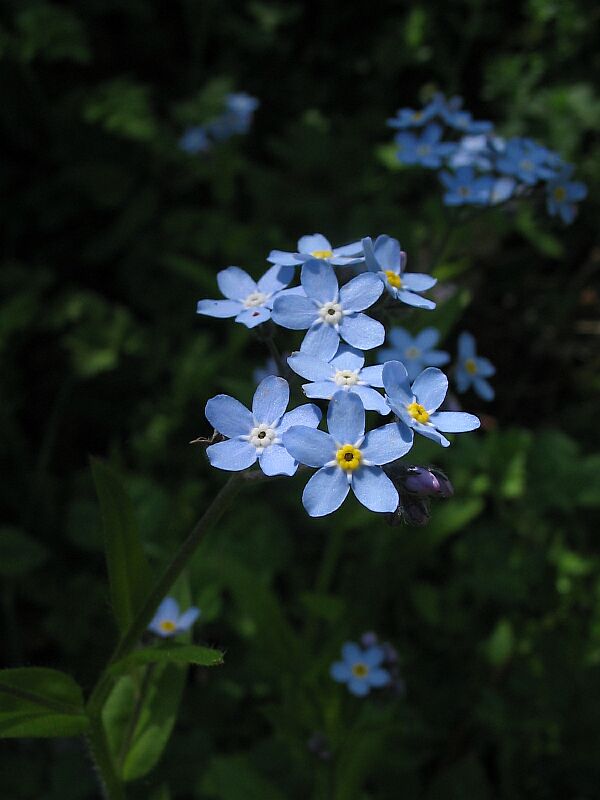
(317, 246)
(417, 406)
(562, 194)
(330, 312)
(345, 371)
(169, 622)
(257, 434)
(387, 261)
(465, 187)
(195, 140)
(411, 118)
(426, 150)
(415, 352)
(472, 370)
(236, 117)
(249, 302)
(473, 151)
(347, 458)
(360, 669)
(526, 160)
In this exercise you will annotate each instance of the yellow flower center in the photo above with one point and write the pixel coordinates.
(412, 352)
(393, 279)
(167, 626)
(360, 670)
(348, 457)
(418, 412)
(470, 366)
(560, 194)
(322, 253)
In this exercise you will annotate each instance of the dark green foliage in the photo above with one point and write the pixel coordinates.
(111, 234)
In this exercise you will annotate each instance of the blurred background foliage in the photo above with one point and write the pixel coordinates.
(111, 234)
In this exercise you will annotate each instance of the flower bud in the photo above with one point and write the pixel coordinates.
(369, 639)
(427, 482)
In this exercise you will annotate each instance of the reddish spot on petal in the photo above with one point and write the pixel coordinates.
(255, 314)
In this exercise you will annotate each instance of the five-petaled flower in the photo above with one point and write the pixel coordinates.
(415, 352)
(249, 302)
(330, 312)
(360, 669)
(464, 187)
(417, 406)
(387, 261)
(472, 370)
(562, 194)
(347, 458)
(257, 434)
(345, 371)
(317, 246)
(426, 150)
(169, 622)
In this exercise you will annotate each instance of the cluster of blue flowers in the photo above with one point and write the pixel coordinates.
(236, 119)
(476, 166)
(332, 359)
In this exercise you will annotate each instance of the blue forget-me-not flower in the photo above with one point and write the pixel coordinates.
(169, 622)
(387, 261)
(347, 459)
(345, 371)
(426, 149)
(562, 194)
(257, 434)
(195, 140)
(330, 312)
(465, 187)
(527, 161)
(249, 302)
(412, 118)
(317, 246)
(471, 369)
(417, 406)
(415, 352)
(360, 669)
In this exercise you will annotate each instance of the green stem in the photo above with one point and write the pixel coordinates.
(112, 788)
(128, 738)
(329, 562)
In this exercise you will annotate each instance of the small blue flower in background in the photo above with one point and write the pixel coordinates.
(502, 190)
(415, 352)
(330, 312)
(169, 622)
(465, 187)
(527, 161)
(257, 434)
(317, 246)
(195, 140)
(345, 371)
(387, 260)
(473, 151)
(562, 194)
(472, 370)
(360, 669)
(249, 302)
(236, 118)
(410, 118)
(463, 121)
(426, 150)
(347, 458)
(417, 406)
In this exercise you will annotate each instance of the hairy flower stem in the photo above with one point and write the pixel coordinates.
(110, 784)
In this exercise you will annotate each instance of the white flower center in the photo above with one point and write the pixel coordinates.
(331, 313)
(255, 299)
(412, 352)
(262, 436)
(346, 377)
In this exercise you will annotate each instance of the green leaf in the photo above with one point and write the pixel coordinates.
(19, 553)
(35, 701)
(235, 778)
(139, 716)
(128, 570)
(52, 33)
(501, 644)
(171, 653)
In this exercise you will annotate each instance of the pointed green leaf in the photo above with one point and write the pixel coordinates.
(40, 702)
(128, 571)
(169, 653)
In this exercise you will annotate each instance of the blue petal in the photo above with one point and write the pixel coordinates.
(235, 283)
(321, 390)
(319, 281)
(307, 414)
(374, 489)
(168, 609)
(346, 417)
(275, 460)
(270, 399)
(411, 299)
(347, 358)
(378, 678)
(251, 317)
(370, 260)
(466, 346)
(361, 292)
(275, 279)
(353, 249)
(309, 446)
(358, 686)
(352, 653)
(374, 656)
(462, 378)
(283, 258)
(315, 241)
(187, 619)
(310, 367)
(436, 358)
(485, 368)
(430, 433)
(455, 421)
(321, 340)
(371, 399)
(372, 375)
(293, 311)
(401, 338)
(387, 443)
(387, 252)
(395, 381)
(340, 672)
(219, 308)
(418, 281)
(430, 388)
(361, 331)
(228, 416)
(483, 389)
(325, 492)
(232, 455)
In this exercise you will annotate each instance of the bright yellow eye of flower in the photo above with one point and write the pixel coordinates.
(560, 194)
(348, 457)
(167, 626)
(322, 253)
(470, 366)
(393, 279)
(360, 670)
(418, 412)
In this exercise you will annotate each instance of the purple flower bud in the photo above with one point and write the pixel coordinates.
(391, 654)
(428, 482)
(369, 639)
(415, 511)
